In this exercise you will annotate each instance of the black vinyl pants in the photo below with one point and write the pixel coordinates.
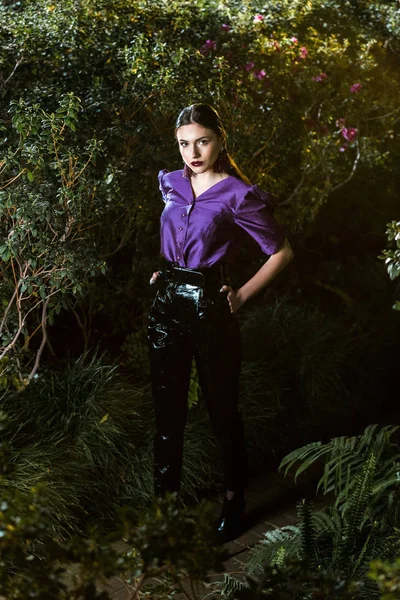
(186, 321)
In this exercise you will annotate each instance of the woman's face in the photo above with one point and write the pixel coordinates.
(199, 147)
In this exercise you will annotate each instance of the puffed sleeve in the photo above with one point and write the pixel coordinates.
(163, 185)
(254, 214)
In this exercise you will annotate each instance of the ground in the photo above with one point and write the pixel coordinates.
(271, 503)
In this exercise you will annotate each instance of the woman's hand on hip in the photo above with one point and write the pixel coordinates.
(154, 277)
(233, 298)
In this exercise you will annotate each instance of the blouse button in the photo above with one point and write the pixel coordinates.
(183, 215)
(179, 243)
(180, 228)
(178, 257)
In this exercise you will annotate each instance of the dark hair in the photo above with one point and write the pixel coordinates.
(206, 116)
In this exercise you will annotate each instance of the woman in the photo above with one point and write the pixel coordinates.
(209, 207)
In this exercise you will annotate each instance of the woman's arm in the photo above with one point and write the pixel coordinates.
(263, 277)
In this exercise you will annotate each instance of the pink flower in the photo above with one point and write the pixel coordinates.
(260, 74)
(349, 133)
(294, 40)
(258, 19)
(356, 87)
(249, 66)
(226, 27)
(207, 47)
(303, 52)
(320, 77)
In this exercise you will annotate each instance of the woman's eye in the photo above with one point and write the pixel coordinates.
(184, 144)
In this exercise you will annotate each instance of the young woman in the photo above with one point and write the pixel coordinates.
(209, 207)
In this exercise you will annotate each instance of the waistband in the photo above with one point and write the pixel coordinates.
(197, 277)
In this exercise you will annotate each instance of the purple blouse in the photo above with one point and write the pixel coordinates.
(198, 232)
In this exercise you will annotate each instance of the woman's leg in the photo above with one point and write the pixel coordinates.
(218, 353)
(170, 363)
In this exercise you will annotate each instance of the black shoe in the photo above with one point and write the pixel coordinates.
(230, 522)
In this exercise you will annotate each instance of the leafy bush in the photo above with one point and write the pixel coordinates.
(167, 545)
(307, 91)
(314, 365)
(45, 208)
(344, 459)
(334, 551)
(86, 434)
(392, 256)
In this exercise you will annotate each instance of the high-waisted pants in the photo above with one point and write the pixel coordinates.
(187, 321)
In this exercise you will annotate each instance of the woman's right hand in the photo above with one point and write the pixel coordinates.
(154, 277)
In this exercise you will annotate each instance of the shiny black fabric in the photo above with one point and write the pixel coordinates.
(187, 321)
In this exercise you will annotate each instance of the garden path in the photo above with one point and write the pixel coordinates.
(271, 503)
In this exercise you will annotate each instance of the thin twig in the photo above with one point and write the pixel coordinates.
(43, 342)
(389, 114)
(7, 310)
(72, 181)
(10, 181)
(63, 177)
(339, 185)
(292, 195)
(22, 324)
(13, 71)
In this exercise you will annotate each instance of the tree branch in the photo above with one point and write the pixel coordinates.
(42, 344)
(353, 170)
(13, 71)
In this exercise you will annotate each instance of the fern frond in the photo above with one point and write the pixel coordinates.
(344, 458)
(280, 556)
(327, 520)
(369, 591)
(231, 586)
(354, 513)
(306, 454)
(269, 549)
(307, 531)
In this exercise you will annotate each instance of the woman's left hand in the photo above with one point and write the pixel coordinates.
(234, 300)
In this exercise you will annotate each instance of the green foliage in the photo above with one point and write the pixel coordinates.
(284, 84)
(344, 459)
(392, 256)
(295, 581)
(194, 387)
(86, 434)
(49, 196)
(387, 576)
(167, 545)
(328, 553)
(231, 586)
(333, 547)
(309, 362)
(135, 353)
(284, 541)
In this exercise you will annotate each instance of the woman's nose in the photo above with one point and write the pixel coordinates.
(195, 152)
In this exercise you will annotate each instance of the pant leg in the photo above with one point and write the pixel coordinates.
(218, 353)
(170, 363)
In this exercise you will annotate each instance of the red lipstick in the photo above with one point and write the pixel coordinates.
(197, 163)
